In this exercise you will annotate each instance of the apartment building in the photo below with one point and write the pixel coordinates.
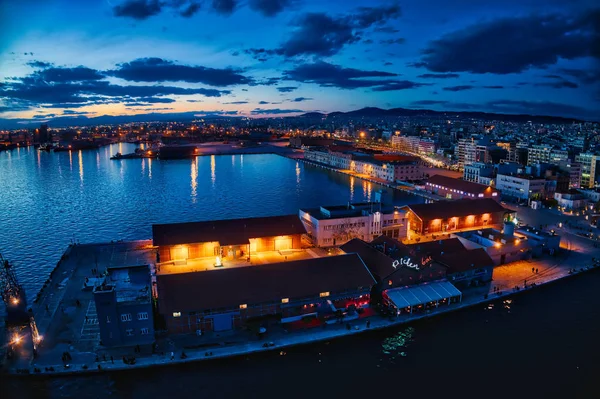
(520, 186)
(588, 164)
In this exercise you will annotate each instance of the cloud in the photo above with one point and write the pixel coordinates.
(512, 45)
(190, 9)
(39, 64)
(39, 116)
(237, 102)
(71, 112)
(493, 87)
(224, 7)
(557, 82)
(388, 64)
(263, 102)
(77, 74)
(319, 34)
(367, 16)
(300, 99)
(286, 89)
(159, 70)
(143, 9)
(538, 108)
(438, 76)
(399, 40)
(215, 113)
(386, 29)
(458, 88)
(324, 35)
(399, 85)
(138, 9)
(195, 101)
(269, 8)
(261, 111)
(582, 75)
(155, 100)
(76, 87)
(330, 75)
(429, 102)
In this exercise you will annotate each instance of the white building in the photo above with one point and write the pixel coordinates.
(335, 225)
(477, 170)
(571, 200)
(592, 194)
(390, 168)
(521, 186)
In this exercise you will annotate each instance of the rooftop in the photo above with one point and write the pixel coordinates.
(458, 208)
(266, 283)
(350, 210)
(460, 185)
(378, 263)
(466, 260)
(227, 231)
(438, 247)
(130, 283)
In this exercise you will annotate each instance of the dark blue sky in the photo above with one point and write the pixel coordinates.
(280, 57)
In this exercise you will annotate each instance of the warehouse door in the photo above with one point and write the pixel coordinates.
(281, 244)
(179, 252)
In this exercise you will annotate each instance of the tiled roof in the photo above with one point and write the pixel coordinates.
(226, 232)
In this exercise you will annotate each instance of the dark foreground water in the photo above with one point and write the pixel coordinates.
(49, 199)
(545, 344)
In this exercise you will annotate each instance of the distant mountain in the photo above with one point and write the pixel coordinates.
(369, 112)
(372, 112)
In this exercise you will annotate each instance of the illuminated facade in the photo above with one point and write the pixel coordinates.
(335, 225)
(451, 188)
(230, 239)
(447, 216)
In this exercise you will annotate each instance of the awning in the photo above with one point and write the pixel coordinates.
(422, 294)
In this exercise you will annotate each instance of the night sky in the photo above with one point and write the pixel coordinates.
(282, 57)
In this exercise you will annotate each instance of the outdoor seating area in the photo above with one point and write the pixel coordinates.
(409, 300)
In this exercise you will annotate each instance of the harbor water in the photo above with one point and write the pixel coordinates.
(48, 200)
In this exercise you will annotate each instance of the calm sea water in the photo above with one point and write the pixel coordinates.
(48, 200)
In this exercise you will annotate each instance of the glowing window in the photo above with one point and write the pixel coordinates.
(324, 294)
(243, 306)
(176, 314)
(285, 300)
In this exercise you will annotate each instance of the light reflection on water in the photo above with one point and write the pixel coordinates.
(45, 202)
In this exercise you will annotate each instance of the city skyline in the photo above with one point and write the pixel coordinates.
(285, 57)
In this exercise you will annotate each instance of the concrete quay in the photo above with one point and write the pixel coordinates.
(70, 325)
(400, 187)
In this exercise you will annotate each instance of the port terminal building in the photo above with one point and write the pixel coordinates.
(230, 239)
(221, 300)
(448, 216)
(451, 188)
(394, 264)
(328, 226)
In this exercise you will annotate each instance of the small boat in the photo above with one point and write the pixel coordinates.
(46, 147)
